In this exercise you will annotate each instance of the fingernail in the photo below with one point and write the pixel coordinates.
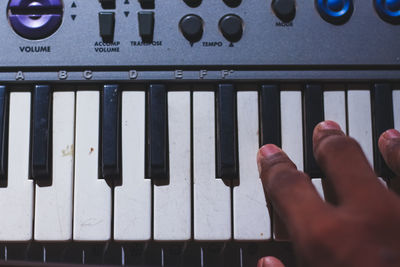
(269, 150)
(328, 125)
(391, 134)
(265, 152)
(265, 263)
(271, 262)
(325, 129)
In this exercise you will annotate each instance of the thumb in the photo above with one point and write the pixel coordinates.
(270, 262)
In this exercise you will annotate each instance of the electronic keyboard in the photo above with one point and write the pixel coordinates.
(129, 128)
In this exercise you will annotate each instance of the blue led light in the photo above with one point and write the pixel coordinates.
(393, 5)
(335, 5)
(388, 10)
(335, 11)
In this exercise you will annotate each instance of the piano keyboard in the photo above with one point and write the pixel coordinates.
(75, 202)
(129, 129)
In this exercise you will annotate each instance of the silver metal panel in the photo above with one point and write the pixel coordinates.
(364, 40)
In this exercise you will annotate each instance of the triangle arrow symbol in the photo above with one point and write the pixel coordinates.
(126, 13)
(73, 17)
(126, 2)
(73, 5)
(231, 45)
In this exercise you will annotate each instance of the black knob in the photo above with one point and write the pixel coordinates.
(285, 10)
(192, 27)
(231, 27)
(233, 3)
(193, 3)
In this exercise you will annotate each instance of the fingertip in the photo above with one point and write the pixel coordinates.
(389, 146)
(328, 125)
(391, 134)
(265, 153)
(387, 140)
(325, 129)
(269, 262)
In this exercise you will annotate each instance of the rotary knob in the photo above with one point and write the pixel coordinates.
(35, 19)
(233, 3)
(284, 9)
(193, 3)
(231, 27)
(192, 27)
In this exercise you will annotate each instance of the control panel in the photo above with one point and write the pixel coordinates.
(269, 33)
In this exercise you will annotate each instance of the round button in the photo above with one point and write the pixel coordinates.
(193, 3)
(233, 3)
(285, 10)
(192, 28)
(388, 10)
(35, 19)
(335, 11)
(231, 27)
(335, 5)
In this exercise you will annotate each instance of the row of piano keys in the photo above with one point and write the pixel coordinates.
(193, 203)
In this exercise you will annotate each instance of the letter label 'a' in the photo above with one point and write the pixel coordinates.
(20, 76)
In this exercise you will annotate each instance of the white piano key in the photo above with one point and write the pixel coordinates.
(172, 202)
(251, 220)
(396, 118)
(317, 182)
(16, 199)
(335, 108)
(53, 204)
(92, 196)
(396, 109)
(212, 197)
(292, 126)
(359, 120)
(132, 200)
(292, 143)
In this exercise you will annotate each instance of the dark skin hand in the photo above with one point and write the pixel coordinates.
(362, 228)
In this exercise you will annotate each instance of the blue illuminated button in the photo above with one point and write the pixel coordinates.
(35, 19)
(335, 11)
(335, 5)
(388, 10)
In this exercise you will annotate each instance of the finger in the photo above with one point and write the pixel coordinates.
(270, 262)
(343, 163)
(389, 145)
(291, 192)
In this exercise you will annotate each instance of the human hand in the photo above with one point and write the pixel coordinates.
(362, 228)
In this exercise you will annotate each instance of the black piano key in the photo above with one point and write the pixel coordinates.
(3, 133)
(270, 115)
(227, 160)
(110, 141)
(41, 138)
(313, 114)
(382, 119)
(157, 132)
